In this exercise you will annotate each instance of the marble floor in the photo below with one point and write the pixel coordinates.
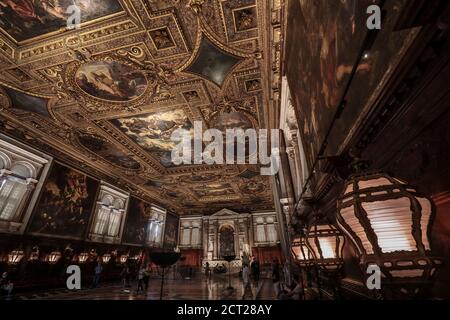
(200, 288)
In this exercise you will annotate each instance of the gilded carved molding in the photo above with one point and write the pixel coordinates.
(154, 43)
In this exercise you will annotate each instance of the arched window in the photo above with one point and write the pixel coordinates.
(155, 226)
(266, 230)
(15, 185)
(21, 168)
(190, 234)
(154, 231)
(109, 215)
(103, 215)
(115, 218)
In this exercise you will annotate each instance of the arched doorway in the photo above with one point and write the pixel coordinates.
(226, 241)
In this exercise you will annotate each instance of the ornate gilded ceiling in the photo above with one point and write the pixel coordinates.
(110, 94)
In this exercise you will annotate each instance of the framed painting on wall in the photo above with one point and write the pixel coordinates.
(65, 204)
(171, 231)
(136, 223)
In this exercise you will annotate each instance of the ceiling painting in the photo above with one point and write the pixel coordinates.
(153, 132)
(111, 81)
(108, 96)
(111, 153)
(26, 19)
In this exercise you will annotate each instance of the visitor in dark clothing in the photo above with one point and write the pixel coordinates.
(276, 277)
(255, 270)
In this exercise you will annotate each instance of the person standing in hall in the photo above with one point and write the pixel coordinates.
(247, 281)
(125, 275)
(207, 270)
(141, 275)
(97, 273)
(6, 285)
(255, 270)
(276, 277)
(147, 273)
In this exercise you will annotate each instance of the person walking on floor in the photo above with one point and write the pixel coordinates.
(246, 281)
(207, 270)
(255, 270)
(276, 277)
(147, 273)
(125, 275)
(140, 278)
(97, 273)
(6, 286)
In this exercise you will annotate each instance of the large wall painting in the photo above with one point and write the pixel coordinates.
(136, 224)
(65, 204)
(153, 132)
(332, 34)
(226, 239)
(171, 231)
(384, 56)
(26, 19)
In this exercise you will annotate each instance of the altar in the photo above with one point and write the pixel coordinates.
(228, 233)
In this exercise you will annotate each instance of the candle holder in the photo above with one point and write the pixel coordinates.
(164, 259)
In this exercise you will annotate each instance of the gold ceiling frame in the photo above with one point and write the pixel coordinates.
(205, 30)
(96, 132)
(63, 29)
(134, 57)
(8, 103)
(123, 33)
(170, 35)
(239, 9)
(137, 150)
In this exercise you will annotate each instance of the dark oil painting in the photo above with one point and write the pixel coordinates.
(102, 147)
(111, 80)
(136, 222)
(226, 241)
(171, 231)
(384, 56)
(325, 43)
(25, 102)
(65, 204)
(327, 38)
(26, 19)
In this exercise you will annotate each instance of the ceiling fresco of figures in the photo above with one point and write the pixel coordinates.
(109, 94)
(153, 132)
(25, 19)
